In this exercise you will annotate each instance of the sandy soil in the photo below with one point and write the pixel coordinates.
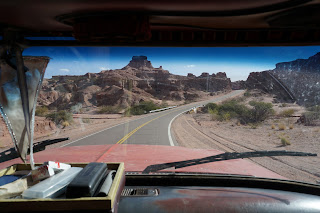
(200, 131)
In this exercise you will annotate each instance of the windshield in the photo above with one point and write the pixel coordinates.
(160, 105)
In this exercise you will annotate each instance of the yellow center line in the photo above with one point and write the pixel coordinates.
(139, 127)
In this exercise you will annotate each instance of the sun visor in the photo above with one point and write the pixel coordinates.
(10, 99)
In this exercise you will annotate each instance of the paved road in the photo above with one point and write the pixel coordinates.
(153, 129)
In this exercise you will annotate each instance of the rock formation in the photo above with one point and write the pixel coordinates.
(136, 82)
(299, 78)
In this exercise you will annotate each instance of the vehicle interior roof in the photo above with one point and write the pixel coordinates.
(169, 22)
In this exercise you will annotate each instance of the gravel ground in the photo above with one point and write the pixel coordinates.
(199, 131)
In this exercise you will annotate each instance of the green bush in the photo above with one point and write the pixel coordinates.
(287, 113)
(142, 108)
(209, 106)
(247, 94)
(108, 110)
(41, 111)
(261, 111)
(86, 120)
(233, 109)
(60, 117)
(312, 116)
(285, 141)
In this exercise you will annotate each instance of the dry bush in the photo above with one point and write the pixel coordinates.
(253, 125)
(108, 110)
(281, 126)
(291, 126)
(285, 141)
(41, 111)
(273, 126)
(60, 117)
(86, 120)
(65, 124)
(286, 113)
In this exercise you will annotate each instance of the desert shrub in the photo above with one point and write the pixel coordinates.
(286, 113)
(127, 112)
(108, 110)
(273, 126)
(86, 120)
(233, 109)
(65, 124)
(60, 117)
(142, 108)
(283, 105)
(223, 116)
(312, 116)
(285, 141)
(261, 111)
(281, 126)
(164, 104)
(315, 108)
(247, 93)
(253, 125)
(209, 106)
(41, 111)
(76, 108)
(213, 114)
(291, 126)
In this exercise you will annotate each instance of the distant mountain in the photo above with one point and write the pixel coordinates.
(136, 82)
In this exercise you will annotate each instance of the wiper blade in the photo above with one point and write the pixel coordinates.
(222, 157)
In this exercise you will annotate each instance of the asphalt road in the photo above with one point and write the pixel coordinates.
(152, 129)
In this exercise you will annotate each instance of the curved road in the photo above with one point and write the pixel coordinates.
(153, 129)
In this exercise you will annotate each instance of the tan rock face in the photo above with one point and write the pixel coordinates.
(138, 81)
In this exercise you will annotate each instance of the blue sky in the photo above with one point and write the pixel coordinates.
(237, 62)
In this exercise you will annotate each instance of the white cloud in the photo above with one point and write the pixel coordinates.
(104, 68)
(64, 70)
(190, 66)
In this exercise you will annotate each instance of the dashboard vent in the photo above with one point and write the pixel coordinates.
(128, 192)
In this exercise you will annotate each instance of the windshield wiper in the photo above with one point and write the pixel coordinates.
(222, 157)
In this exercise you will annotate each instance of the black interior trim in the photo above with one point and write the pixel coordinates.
(66, 18)
(222, 180)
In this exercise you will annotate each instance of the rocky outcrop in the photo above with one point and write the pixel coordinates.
(300, 78)
(266, 82)
(237, 85)
(139, 62)
(312, 64)
(190, 75)
(136, 82)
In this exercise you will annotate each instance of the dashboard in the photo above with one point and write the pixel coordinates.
(166, 197)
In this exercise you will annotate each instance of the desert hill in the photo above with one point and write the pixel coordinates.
(297, 80)
(136, 82)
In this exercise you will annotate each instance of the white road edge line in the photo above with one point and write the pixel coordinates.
(169, 127)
